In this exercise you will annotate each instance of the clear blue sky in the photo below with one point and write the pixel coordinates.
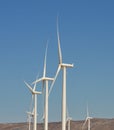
(87, 40)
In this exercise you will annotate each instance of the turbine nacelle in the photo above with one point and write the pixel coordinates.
(32, 89)
(30, 113)
(66, 65)
(60, 66)
(89, 118)
(69, 119)
(36, 92)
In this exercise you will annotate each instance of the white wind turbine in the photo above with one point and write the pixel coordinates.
(88, 118)
(68, 119)
(62, 66)
(45, 80)
(34, 93)
(30, 117)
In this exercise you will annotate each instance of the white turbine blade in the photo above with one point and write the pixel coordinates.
(44, 73)
(34, 87)
(87, 111)
(33, 111)
(30, 88)
(41, 79)
(35, 82)
(42, 117)
(38, 80)
(59, 47)
(59, 67)
(84, 123)
(67, 114)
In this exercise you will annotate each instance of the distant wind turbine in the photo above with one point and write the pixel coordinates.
(29, 118)
(34, 93)
(88, 118)
(45, 80)
(62, 66)
(68, 120)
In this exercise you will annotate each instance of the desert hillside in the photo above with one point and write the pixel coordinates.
(96, 124)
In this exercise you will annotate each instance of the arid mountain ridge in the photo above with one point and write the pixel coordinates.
(96, 124)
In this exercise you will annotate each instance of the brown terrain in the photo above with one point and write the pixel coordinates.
(96, 124)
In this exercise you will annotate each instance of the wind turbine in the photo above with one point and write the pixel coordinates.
(30, 113)
(30, 117)
(45, 80)
(88, 118)
(62, 66)
(68, 119)
(34, 93)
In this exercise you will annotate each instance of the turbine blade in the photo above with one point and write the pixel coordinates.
(43, 83)
(35, 82)
(34, 87)
(59, 47)
(67, 114)
(84, 123)
(44, 73)
(33, 111)
(59, 67)
(42, 118)
(30, 88)
(38, 80)
(87, 111)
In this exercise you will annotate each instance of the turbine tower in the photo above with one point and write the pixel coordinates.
(62, 66)
(34, 93)
(88, 118)
(45, 80)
